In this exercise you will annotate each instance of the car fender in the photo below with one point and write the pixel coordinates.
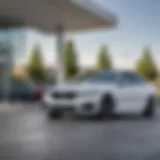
(107, 94)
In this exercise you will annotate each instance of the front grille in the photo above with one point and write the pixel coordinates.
(88, 106)
(63, 95)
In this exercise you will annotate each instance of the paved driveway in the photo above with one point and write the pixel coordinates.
(26, 134)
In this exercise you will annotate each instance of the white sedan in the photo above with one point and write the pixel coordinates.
(103, 94)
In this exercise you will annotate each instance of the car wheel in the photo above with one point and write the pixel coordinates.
(150, 108)
(107, 106)
(54, 114)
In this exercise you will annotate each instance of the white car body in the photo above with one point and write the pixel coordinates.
(127, 97)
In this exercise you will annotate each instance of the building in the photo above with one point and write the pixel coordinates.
(54, 16)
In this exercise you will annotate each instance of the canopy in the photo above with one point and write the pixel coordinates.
(47, 14)
(55, 16)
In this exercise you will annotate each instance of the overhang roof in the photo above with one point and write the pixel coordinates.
(46, 15)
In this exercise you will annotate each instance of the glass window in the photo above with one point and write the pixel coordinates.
(105, 77)
(133, 78)
(18, 85)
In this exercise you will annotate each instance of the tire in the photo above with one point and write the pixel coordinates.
(107, 107)
(54, 114)
(150, 108)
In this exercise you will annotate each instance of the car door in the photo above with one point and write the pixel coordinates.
(130, 93)
(26, 91)
(140, 88)
(20, 90)
(17, 90)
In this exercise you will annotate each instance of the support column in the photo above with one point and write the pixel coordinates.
(60, 55)
(6, 52)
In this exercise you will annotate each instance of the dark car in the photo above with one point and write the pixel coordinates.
(25, 91)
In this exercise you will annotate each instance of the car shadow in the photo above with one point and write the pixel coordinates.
(131, 117)
(122, 117)
(115, 118)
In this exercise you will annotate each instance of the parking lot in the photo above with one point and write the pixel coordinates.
(27, 134)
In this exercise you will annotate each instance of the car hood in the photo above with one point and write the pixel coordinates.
(77, 87)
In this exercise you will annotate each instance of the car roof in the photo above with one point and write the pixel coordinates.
(116, 72)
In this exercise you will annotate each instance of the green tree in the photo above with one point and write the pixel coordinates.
(35, 68)
(104, 61)
(146, 66)
(71, 67)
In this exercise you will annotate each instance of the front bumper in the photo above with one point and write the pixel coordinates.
(85, 106)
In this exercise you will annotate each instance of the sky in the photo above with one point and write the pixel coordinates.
(138, 26)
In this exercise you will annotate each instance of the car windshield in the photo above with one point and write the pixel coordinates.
(103, 77)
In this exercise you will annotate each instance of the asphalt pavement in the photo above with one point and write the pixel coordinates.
(27, 134)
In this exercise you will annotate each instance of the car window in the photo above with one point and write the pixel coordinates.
(137, 79)
(16, 85)
(104, 77)
(133, 78)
